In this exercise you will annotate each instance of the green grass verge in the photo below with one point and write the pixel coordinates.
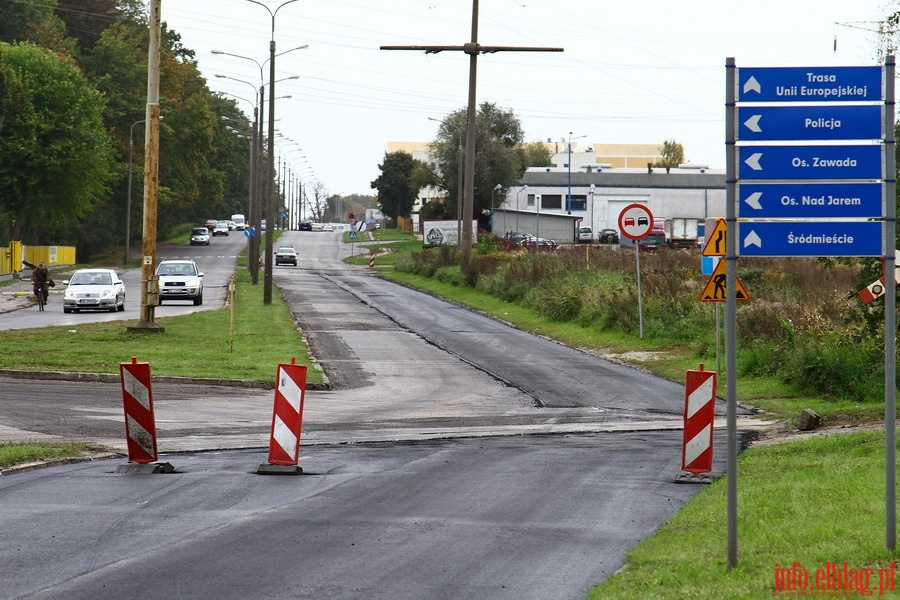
(813, 501)
(195, 345)
(16, 453)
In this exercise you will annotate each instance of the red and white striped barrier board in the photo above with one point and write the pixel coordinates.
(287, 417)
(699, 412)
(875, 290)
(140, 424)
(371, 260)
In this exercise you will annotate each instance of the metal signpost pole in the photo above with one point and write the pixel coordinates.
(890, 308)
(730, 312)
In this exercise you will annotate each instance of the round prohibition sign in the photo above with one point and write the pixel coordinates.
(635, 221)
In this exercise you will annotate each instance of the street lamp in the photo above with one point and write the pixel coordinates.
(262, 184)
(128, 194)
(267, 289)
(523, 188)
(592, 216)
(459, 176)
(496, 187)
(569, 196)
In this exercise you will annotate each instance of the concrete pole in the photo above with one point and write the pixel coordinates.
(254, 194)
(270, 197)
(472, 50)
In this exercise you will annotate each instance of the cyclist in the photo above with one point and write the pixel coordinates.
(40, 280)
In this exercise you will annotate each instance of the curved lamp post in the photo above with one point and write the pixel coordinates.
(524, 187)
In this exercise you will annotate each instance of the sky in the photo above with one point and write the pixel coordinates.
(631, 72)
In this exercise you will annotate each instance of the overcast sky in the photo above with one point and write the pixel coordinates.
(632, 72)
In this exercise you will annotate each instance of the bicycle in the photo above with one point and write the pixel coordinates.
(41, 294)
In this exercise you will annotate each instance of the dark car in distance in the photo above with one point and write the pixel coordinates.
(608, 236)
(305, 226)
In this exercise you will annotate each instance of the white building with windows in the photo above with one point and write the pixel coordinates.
(553, 202)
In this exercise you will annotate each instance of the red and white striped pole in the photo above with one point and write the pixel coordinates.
(699, 413)
(371, 260)
(140, 422)
(287, 418)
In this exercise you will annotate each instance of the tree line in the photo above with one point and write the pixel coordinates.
(73, 81)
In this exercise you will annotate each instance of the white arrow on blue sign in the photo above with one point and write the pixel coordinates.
(810, 162)
(809, 84)
(809, 200)
(810, 238)
(815, 122)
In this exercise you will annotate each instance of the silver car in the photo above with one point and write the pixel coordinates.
(95, 289)
(180, 280)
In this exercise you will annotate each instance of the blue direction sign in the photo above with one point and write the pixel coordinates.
(810, 238)
(810, 162)
(815, 122)
(809, 84)
(809, 200)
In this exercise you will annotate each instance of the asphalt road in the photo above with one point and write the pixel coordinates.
(454, 458)
(216, 261)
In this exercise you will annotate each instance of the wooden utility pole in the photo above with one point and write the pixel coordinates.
(473, 49)
(151, 178)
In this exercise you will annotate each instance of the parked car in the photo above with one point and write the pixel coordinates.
(305, 226)
(534, 243)
(95, 289)
(585, 235)
(200, 236)
(286, 255)
(180, 280)
(608, 236)
(327, 227)
(515, 238)
(221, 228)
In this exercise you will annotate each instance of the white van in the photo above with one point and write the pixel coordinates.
(239, 222)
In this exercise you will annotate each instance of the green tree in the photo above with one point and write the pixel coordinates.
(500, 155)
(56, 158)
(673, 154)
(396, 190)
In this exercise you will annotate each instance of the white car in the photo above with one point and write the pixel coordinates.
(180, 280)
(585, 235)
(200, 236)
(94, 289)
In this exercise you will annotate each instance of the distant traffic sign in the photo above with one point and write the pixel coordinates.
(809, 84)
(809, 200)
(715, 240)
(635, 221)
(810, 162)
(715, 288)
(810, 238)
(815, 122)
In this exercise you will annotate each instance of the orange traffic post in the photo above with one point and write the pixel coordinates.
(140, 422)
(699, 413)
(287, 419)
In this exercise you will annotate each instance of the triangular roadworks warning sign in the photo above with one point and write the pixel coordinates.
(715, 241)
(715, 287)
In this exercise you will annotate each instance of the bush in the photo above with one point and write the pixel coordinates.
(784, 331)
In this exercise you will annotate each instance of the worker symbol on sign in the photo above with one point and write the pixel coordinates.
(715, 289)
